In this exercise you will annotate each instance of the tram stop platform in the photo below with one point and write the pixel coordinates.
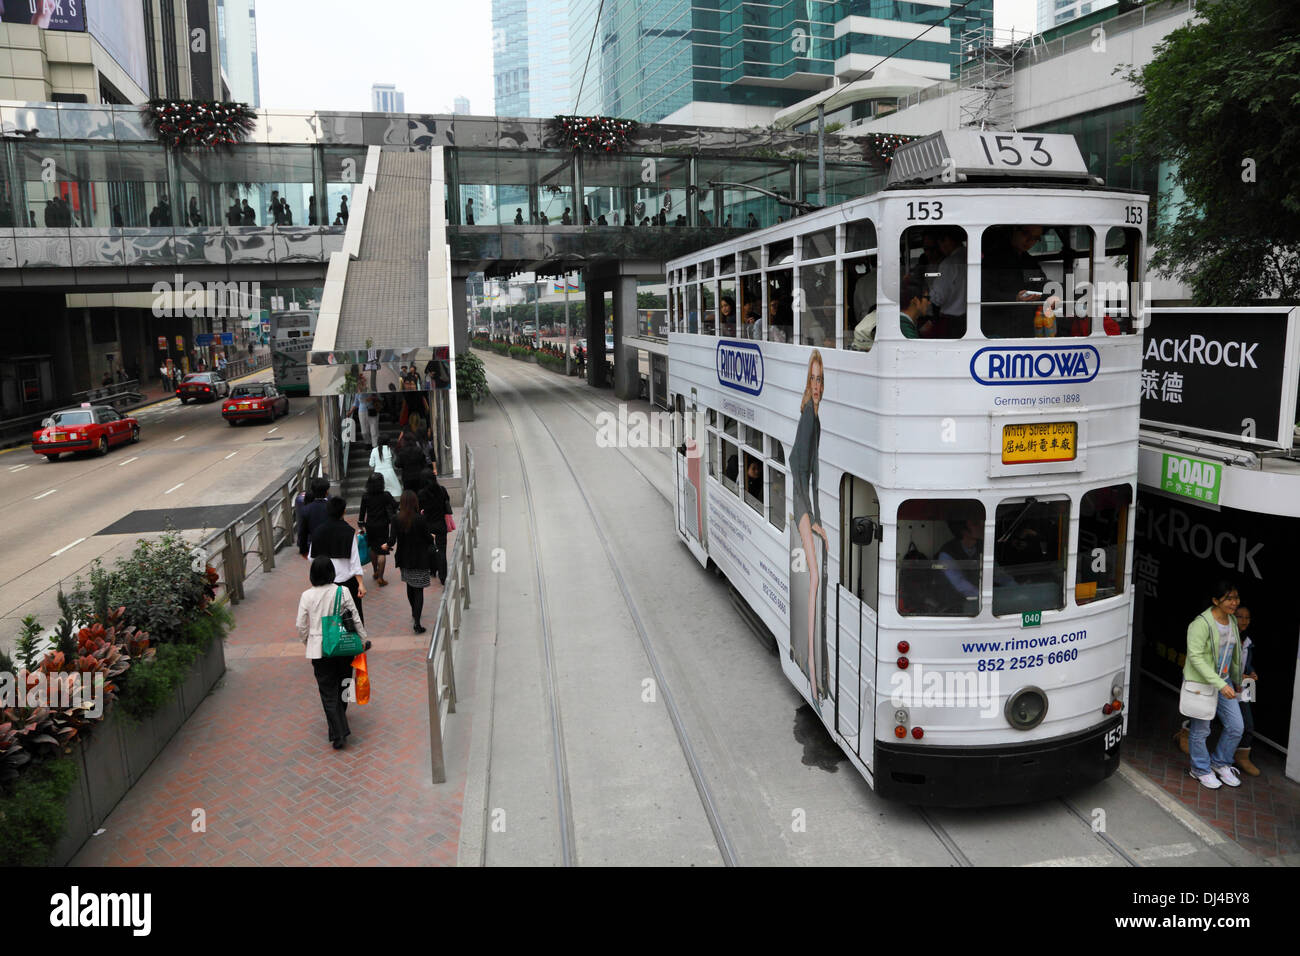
(254, 756)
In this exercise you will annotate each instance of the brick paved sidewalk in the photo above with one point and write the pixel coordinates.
(1262, 815)
(255, 758)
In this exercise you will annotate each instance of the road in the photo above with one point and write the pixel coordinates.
(54, 513)
(633, 718)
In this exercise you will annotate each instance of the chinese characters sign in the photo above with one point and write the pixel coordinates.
(1224, 372)
(1191, 478)
(1040, 441)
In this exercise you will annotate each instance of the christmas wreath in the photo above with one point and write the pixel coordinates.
(594, 134)
(209, 124)
(883, 145)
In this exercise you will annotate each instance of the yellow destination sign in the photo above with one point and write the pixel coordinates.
(1041, 441)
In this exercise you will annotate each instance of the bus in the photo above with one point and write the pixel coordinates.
(909, 441)
(291, 338)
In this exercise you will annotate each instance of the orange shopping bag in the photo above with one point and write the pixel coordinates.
(361, 683)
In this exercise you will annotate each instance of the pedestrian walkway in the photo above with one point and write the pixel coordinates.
(255, 758)
(1262, 815)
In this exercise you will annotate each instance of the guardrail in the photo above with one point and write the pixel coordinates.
(439, 672)
(258, 532)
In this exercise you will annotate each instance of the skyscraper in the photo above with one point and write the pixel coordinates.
(460, 106)
(530, 57)
(737, 63)
(1052, 13)
(387, 98)
(237, 28)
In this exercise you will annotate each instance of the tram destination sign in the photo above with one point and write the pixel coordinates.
(1039, 441)
(1230, 373)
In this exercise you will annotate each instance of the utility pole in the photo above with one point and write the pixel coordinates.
(821, 154)
(568, 347)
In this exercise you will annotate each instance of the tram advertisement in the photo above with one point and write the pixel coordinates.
(1181, 548)
(808, 541)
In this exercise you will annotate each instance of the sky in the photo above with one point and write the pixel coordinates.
(325, 54)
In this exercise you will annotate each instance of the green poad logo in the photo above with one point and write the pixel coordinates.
(1191, 478)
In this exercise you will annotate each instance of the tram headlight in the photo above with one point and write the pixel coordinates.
(1026, 708)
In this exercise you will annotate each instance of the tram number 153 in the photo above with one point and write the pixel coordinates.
(1113, 737)
(925, 209)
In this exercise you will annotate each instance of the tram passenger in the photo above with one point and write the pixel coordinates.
(915, 302)
(948, 289)
(727, 316)
(1013, 283)
(804, 472)
(780, 319)
(961, 559)
(754, 478)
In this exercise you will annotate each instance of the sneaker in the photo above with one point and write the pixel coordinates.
(1208, 780)
(1228, 775)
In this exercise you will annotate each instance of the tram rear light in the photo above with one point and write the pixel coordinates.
(904, 647)
(1106, 708)
(917, 733)
(903, 662)
(900, 731)
(1116, 706)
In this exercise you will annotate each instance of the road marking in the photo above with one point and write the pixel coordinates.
(67, 547)
(128, 461)
(178, 438)
(230, 456)
(1167, 852)
(273, 429)
(1093, 859)
(44, 494)
(172, 488)
(18, 468)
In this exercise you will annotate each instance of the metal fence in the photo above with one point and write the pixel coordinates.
(248, 544)
(439, 671)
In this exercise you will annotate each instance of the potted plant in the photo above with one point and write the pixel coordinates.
(471, 384)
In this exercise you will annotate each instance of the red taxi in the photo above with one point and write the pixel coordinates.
(88, 428)
(254, 400)
(202, 387)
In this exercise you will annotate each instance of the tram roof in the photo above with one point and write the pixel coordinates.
(970, 155)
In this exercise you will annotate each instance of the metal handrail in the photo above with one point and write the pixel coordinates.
(440, 676)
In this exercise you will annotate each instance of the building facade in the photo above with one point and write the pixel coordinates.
(237, 28)
(738, 63)
(387, 98)
(1053, 13)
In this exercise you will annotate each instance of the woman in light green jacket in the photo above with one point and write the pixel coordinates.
(1214, 658)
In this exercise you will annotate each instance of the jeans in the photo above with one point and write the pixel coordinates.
(1203, 762)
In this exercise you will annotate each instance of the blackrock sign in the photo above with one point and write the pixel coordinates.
(1230, 373)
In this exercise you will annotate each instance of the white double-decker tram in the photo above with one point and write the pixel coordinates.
(910, 443)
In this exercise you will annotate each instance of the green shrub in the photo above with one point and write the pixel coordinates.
(148, 686)
(156, 583)
(33, 812)
(209, 625)
(471, 378)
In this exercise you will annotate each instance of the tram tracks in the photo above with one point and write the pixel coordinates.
(564, 803)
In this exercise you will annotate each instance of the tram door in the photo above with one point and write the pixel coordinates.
(856, 601)
(689, 474)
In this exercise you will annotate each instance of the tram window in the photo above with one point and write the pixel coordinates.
(780, 253)
(751, 260)
(1118, 281)
(860, 303)
(708, 307)
(727, 265)
(726, 320)
(819, 245)
(1035, 280)
(776, 499)
(706, 269)
(940, 554)
(715, 452)
(1030, 538)
(780, 306)
(730, 465)
(934, 258)
(753, 482)
(817, 305)
(680, 417)
(778, 453)
(693, 309)
(860, 236)
(690, 273)
(1103, 532)
(860, 544)
(730, 426)
(750, 305)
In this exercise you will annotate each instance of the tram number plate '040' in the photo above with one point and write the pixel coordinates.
(1040, 441)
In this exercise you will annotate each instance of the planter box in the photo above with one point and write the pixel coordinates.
(464, 409)
(115, 756)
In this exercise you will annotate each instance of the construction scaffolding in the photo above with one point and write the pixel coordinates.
(986, 78)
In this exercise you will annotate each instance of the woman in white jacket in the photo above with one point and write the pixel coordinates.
(381, 463)
(316, 603)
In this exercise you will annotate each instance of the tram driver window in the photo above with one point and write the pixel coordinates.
(1035, 281)
(940, 555)
(1030, 537)
(1103, 543)
(933, 258)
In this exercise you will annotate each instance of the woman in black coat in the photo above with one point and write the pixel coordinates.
(435, 505)
(378, 509)
(412, 540)
(410, 461)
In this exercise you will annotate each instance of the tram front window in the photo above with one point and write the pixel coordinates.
(1035, 281)
(1103, 530)
(940, 555)
(933, 258)
(1030, 537)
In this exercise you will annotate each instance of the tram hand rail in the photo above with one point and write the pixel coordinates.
(439, 669)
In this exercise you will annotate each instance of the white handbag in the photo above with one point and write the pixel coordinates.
(1199, 701)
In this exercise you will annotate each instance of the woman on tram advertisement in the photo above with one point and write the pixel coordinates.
(808, 625)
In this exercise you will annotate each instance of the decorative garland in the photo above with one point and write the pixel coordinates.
(884, 145)
(594, 134)
(210, 124)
